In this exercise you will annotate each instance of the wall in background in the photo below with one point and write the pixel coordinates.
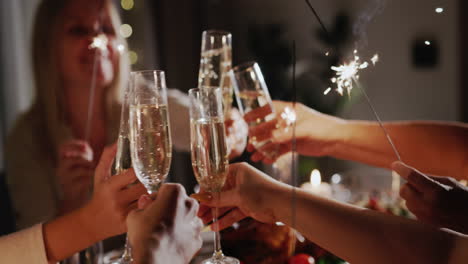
(16, 25)
(399, 91)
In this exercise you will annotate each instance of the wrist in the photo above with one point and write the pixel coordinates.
(338, 133)
(272, 197)
(89, 222)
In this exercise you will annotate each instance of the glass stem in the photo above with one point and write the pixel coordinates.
(218, 253)
(127, 254)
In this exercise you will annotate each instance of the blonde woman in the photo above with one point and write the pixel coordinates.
(49, 171)
(49, 165)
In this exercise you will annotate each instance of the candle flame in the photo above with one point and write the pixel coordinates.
(315, 178)
(348, 72)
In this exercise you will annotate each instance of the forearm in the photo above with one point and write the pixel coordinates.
(358, 235)
(438, 148)
(69, 234)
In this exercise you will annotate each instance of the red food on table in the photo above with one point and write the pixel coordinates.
(301, 259)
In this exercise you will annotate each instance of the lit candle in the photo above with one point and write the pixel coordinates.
(316, 186)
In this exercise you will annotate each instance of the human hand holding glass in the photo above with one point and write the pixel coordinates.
(150, 137)
(166, 229)
(252, 94)
(209, 151)
(242, 196)
(316, 134)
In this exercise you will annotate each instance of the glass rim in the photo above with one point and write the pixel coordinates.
(148, 71)
(198, 89)
(217, 32)
(244, 66)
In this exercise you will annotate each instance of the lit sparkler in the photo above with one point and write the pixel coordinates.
(348, 73)
(99, 42)
(347, 76)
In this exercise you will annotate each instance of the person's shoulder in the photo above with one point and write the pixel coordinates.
(25, 122)
(25, 127)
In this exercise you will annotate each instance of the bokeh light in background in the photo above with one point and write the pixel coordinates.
(439, 10)
(126, 30)
(127, 4)
(133, 57)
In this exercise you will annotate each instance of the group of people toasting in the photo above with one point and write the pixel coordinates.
(71, 189)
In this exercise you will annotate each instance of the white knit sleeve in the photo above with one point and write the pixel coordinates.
(26, 246)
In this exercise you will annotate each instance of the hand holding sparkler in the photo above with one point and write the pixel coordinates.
(74, 173)
(438, 201)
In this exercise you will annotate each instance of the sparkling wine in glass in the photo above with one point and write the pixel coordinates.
(150, 137)
(209, 152)
(215, 64)
(252, 95)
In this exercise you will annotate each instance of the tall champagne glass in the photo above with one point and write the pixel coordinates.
(216, 62)
(252, 93)
(209, 152)
(150, 139)
(123, 160)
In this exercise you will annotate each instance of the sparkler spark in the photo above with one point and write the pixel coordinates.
(289, 116)
(348, 73)
(99, 42)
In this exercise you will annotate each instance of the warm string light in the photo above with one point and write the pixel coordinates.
(127, 4)
(126, 30)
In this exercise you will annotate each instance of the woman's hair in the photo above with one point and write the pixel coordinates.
(49, 99)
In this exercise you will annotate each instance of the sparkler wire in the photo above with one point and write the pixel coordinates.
(389, 139)
(93, 79)
(311, 7)
(293, 145)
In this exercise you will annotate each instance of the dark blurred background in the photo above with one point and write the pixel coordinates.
(412, 80)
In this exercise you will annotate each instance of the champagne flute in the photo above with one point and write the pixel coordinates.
(123, 161)
(252, 93)
(150, 137)
(209, 152)
(216, 62)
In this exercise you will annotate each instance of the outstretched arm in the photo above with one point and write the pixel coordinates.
(438, 148)
(354, 234)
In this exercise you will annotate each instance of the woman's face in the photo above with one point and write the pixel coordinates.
(77, 54)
